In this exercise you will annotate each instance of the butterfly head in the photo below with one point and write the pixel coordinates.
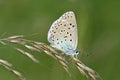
(77, 52)
(73, 53)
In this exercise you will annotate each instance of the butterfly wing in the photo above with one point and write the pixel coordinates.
(69, 17)
(63, 32)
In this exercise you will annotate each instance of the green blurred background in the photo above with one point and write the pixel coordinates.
(98, 29)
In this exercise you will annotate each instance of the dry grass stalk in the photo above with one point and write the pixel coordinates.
(8, 66)
(51, 52)
(36, 46)
(15, 39)
(32, 48)
(28, 55)
(86, 71)
(3, 62)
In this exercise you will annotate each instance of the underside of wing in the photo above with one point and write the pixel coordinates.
(63, 32)
(69, 17)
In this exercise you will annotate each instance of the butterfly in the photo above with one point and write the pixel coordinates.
(62, 34)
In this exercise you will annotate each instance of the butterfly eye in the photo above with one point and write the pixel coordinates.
(77, 52)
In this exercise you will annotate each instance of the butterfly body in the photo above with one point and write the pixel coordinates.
(63, 34)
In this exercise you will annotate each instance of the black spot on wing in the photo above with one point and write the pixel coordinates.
(68, 27)
(57, 42)
(70, 34)
(73, 25)
(70, 24)
(61, 30)
(56, 28)
(52, 30)
(65, 36)
(64, 24)
(70, 39)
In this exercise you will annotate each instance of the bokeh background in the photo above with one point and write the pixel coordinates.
(98, 32)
